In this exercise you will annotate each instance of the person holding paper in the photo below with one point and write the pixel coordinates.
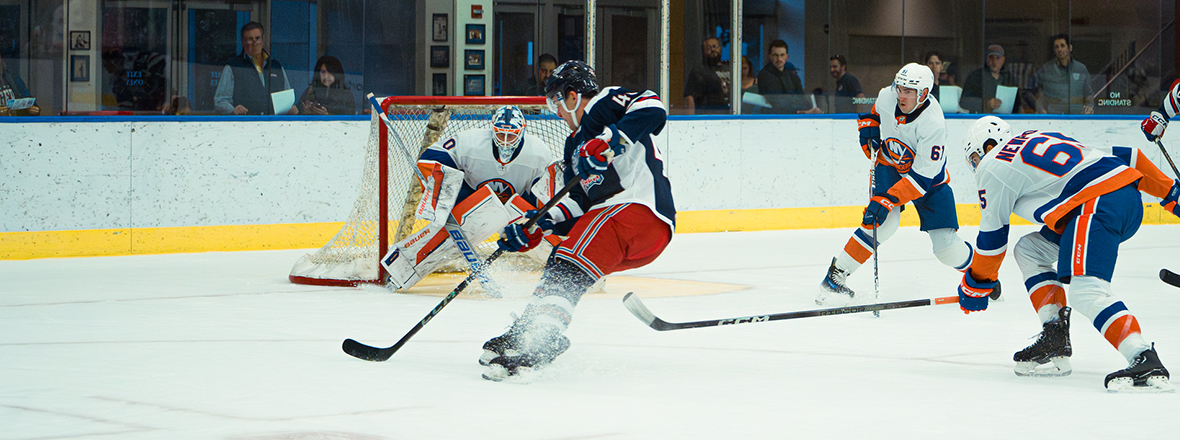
(12, 88)
(982, 82)
(249, 79)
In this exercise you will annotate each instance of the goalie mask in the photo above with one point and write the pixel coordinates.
(918, 77)
(987, 131)
(507, 131)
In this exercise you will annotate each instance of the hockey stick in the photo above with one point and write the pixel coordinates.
(644, 314)
(1168, 276)
(876, 267)
(376, 354)
(456, 234)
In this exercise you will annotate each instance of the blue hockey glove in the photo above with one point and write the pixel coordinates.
(515, 239)
(1153, 127)
(870, 134)
(876, 212)
(973, 294)
(1169, 201)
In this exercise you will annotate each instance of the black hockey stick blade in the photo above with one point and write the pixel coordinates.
(1170, 277)
(644, 314)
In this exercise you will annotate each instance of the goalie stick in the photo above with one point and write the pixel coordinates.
(377, 354)
(457, 235)
(644, 314)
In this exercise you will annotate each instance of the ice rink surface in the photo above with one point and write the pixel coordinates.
(221, 346)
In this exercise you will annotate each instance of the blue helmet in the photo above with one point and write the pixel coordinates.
(508, 130)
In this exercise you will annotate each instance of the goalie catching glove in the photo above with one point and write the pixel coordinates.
(515, 238)
(594, 156)
(973, 294)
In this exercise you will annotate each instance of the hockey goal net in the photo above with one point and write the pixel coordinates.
(384, 210)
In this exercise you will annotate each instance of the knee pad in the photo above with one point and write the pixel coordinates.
(1035, 255)
(950, 249)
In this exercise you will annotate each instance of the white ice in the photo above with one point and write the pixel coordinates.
(221, 346)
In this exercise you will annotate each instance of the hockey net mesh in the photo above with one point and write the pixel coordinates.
(352, 255)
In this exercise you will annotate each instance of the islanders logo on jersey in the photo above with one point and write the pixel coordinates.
(501, 187)
(899, 155)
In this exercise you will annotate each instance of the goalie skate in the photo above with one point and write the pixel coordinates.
(833, 289)
(1145, 375)
(1049, 355)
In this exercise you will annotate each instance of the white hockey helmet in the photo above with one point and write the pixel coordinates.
(915, 76)
(508, 130)
(987, 131)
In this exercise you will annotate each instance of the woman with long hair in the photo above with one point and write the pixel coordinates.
(327, 94)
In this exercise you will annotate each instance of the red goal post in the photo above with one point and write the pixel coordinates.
(388, 190)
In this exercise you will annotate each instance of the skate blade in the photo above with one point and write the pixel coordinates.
(1056, 367)
(1153, 384)
(834, 299)
(522, 375)
(485, 359)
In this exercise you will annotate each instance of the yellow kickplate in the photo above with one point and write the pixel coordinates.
(441, 284)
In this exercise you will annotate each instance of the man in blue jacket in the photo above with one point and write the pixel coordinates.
(249, 78)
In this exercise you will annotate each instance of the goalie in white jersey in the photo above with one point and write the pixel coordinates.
(1089, 202)
(483, 178)
(906, 134)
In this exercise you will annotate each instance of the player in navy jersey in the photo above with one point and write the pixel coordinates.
(1088, 201)
(620, 217)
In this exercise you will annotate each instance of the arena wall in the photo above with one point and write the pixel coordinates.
(117, 186)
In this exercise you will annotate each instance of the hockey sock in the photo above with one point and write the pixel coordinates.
(859, 248)
(950, 249)
(561, 286)
(1092, 296)
(1036, 257)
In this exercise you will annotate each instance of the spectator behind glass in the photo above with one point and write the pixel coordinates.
(249, 78)
(749, 85)
(979, 92)
(1062, 85)
(327, 94)
(849, 95)
(933, 60)
(707, 87)
(780, 78)
(535, 85)
(12, 87)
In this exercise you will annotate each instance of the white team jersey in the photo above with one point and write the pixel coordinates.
(474, 152)
(914, 144)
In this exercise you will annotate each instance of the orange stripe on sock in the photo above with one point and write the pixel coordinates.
(1122, 327)
(857, 250)
(1047, 294)
(1078, 255)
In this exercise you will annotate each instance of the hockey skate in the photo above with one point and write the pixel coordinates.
(508, 344)
(526, 354)
(1049, 355)
(833, 290)
(1145, 375)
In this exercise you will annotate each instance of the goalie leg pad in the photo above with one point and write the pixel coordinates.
(417, 256)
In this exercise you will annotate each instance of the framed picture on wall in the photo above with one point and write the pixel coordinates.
(440, 27)
(440, 56)
(473, 59)
(475, 33)
(79, 68)
(439, 85)
(473, 85)
(79, 40)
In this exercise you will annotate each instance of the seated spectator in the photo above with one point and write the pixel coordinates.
(1062, 85)
(979, 92)
(250, 78)
(327, 94)
(535, 85)
(780, 77)
(848, 90)
(933, 60)
(12, 87)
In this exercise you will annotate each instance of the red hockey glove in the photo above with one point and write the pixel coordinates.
(593, 158)
(515, 239)
(1153, 127)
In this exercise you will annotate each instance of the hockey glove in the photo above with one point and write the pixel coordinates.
(1153, 127)
(1170, 201)
(973, 294)
(878, 209)
(870, 134)
(596, 154)
(515, 239)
